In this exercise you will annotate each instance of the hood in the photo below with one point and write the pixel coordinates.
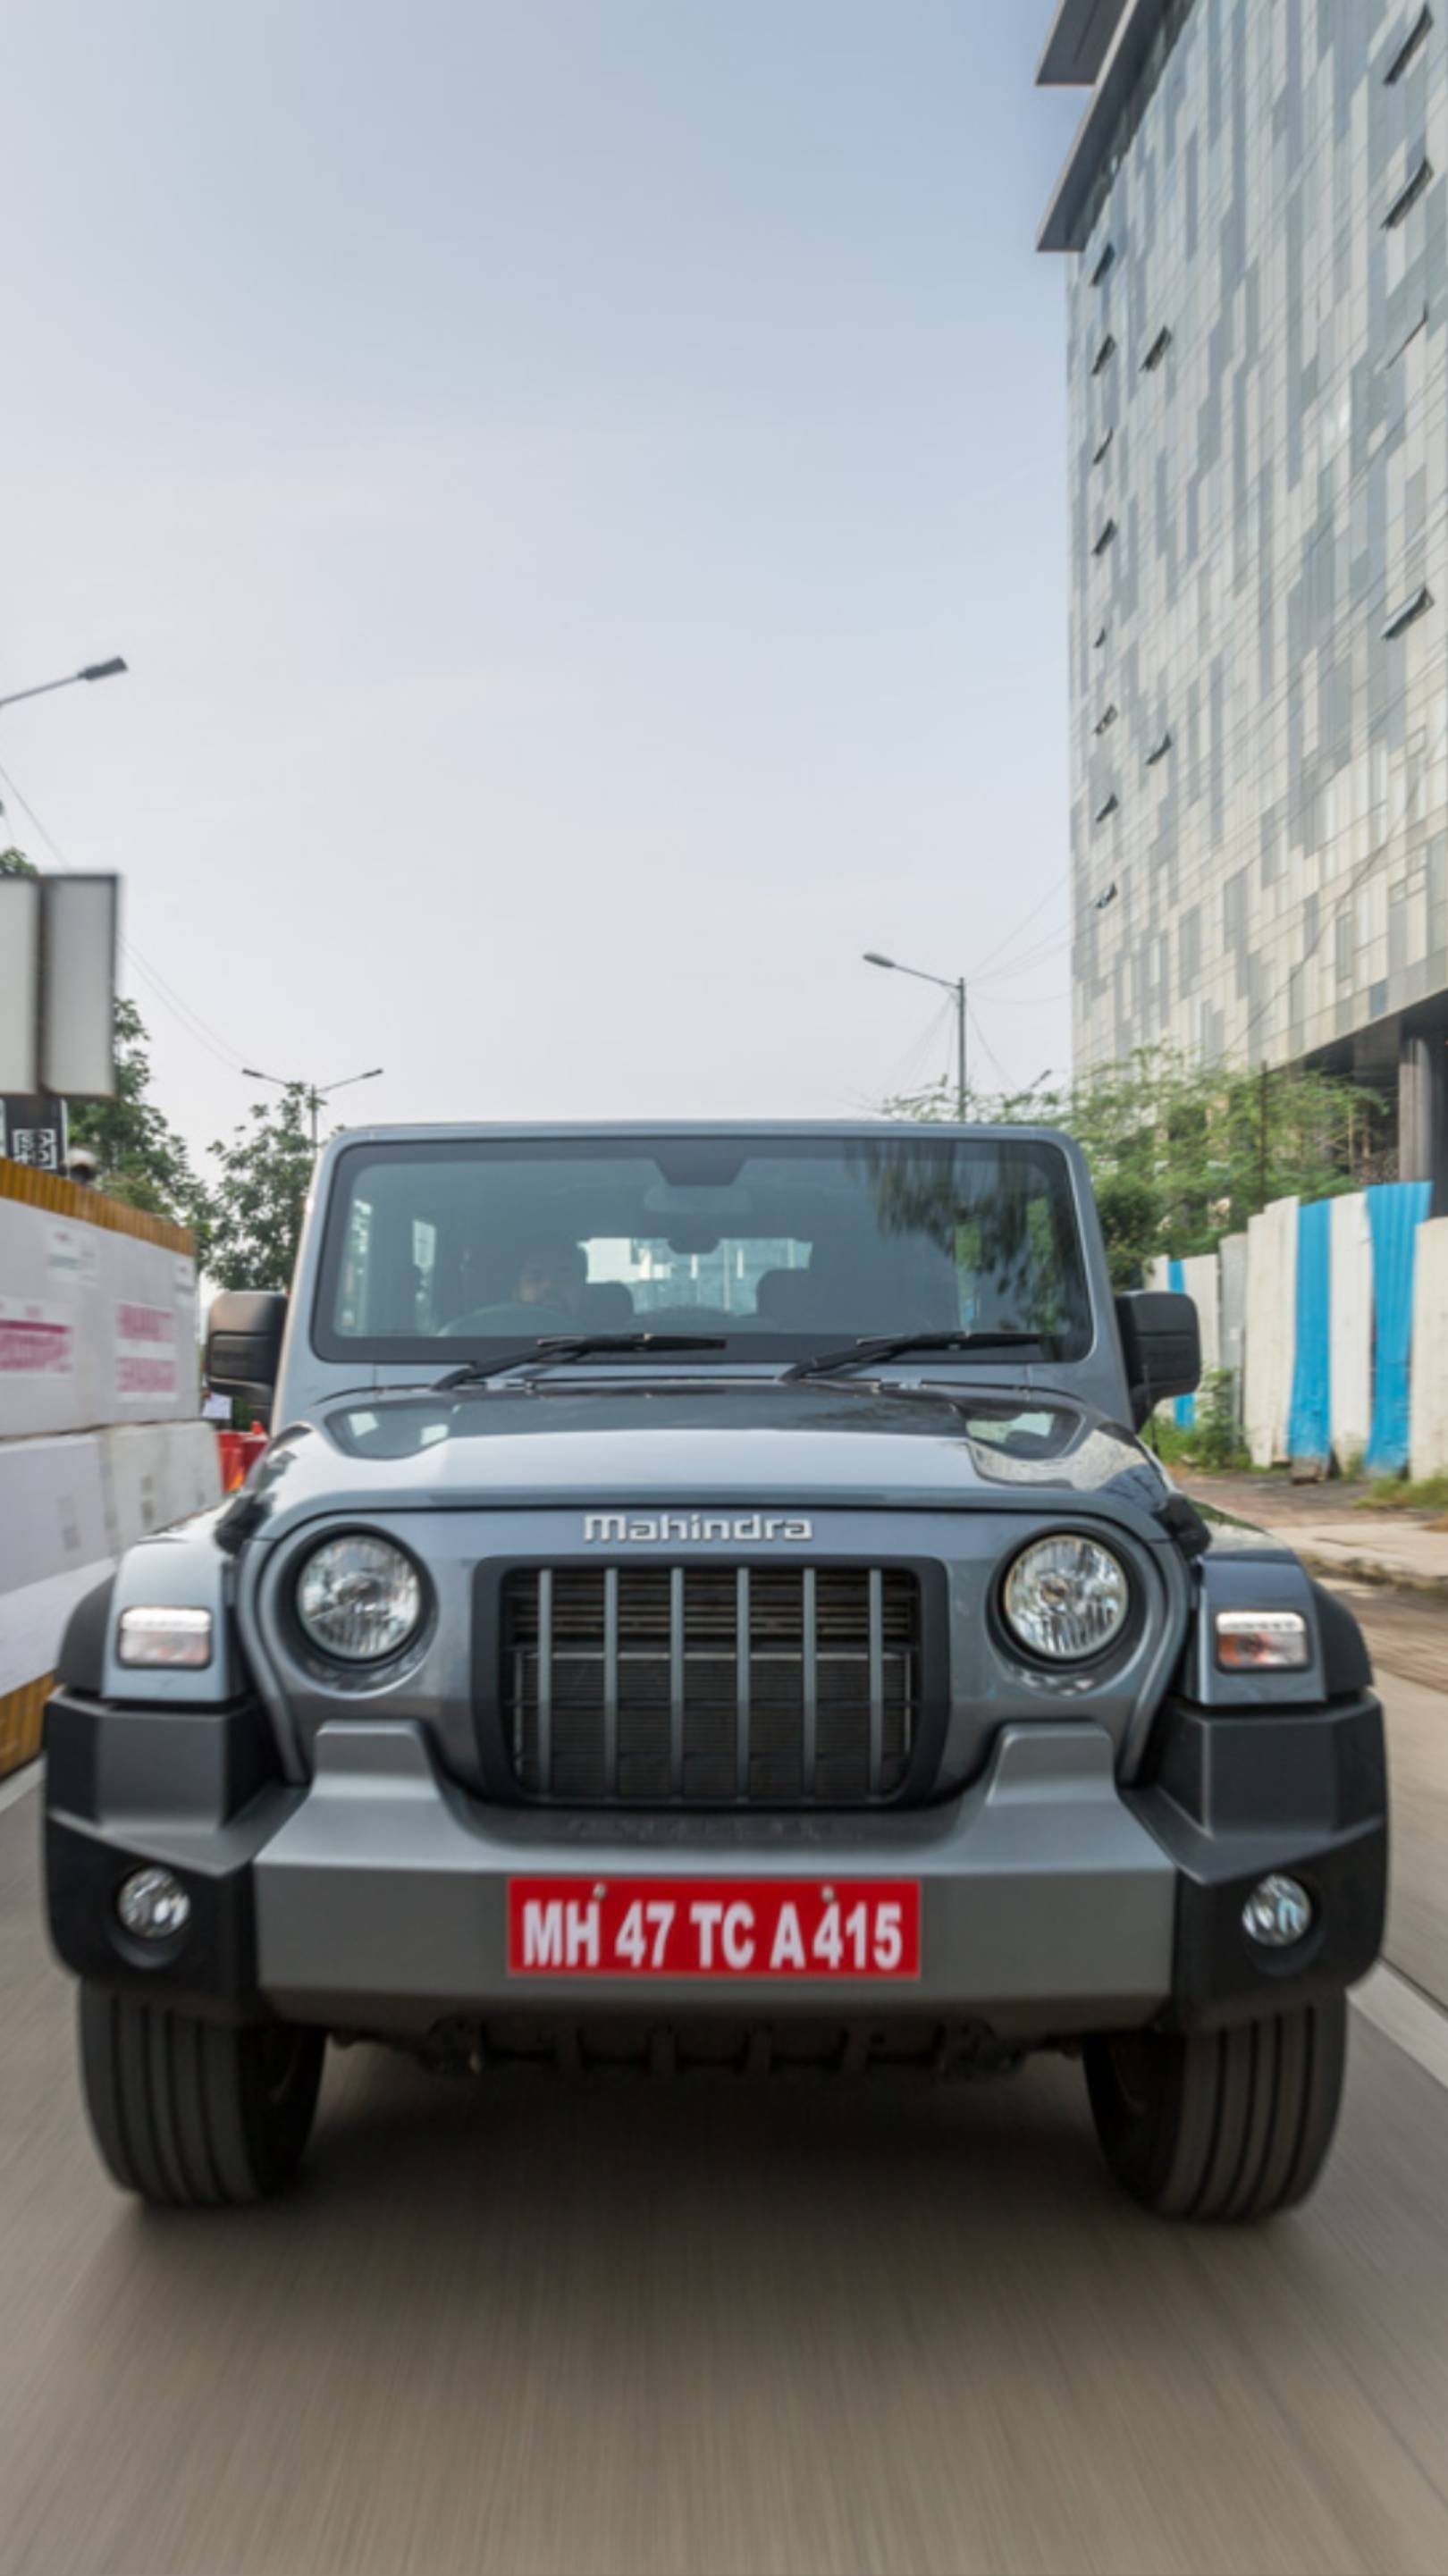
(750, 1447)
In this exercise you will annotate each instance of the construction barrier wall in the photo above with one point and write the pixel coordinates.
(100, 1439)
(1333, 1318)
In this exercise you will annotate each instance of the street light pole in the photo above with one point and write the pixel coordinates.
(93, 671)
(313, 1093)
(954, 985)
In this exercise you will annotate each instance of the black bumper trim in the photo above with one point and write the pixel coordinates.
(1235, 1795)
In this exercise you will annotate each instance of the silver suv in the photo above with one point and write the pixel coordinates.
(705, 1602)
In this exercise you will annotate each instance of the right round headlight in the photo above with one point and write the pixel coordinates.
(359, 1598)
(1066, 1597)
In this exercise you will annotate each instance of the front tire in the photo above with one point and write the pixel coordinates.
(1228, 2124)
(192, 2114)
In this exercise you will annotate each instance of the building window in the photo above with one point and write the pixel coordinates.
(1104, 355)
(1101, 450)
(1422, 598)
(1409, 334)
(1406, 50)
(1159, 750)
(1107, 720)
(1108, 249)
(1342, 942)
(1157, 351)
(1104, 540)
(1409, 193)
(1110, 807)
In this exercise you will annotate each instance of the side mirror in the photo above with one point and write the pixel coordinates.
(1161, 1343)
(244, 1345)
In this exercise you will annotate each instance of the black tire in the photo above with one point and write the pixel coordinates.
(1228, 2124)
(188, 2113)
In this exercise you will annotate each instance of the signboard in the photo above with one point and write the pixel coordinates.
(57, 985)
(32, 1131)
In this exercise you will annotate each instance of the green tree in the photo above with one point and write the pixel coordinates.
(1181, 1155)
(14, 863)
(139, 1157)
(257, 1202)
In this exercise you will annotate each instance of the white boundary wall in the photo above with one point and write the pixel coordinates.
(1428, 1435)
(1202, 1281)
(69, 1506)
(1350, 1255)
(1271, 1331)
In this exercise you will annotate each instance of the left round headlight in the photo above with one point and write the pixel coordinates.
(1066, 1597)
(359, 1598)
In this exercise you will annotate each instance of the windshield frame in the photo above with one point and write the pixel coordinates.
(750, 1347)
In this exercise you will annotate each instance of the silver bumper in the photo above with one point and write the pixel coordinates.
(382, 1902)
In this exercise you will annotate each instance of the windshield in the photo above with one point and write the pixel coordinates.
(778, 1244)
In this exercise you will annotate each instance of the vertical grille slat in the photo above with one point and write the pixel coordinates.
(545, 1680)
(809, 1714)
(877, 1679)
(610, 1682)
(710, 1685)
(677, 1682)
(742, 1635)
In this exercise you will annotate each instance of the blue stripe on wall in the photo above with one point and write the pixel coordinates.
(1185, 1408)
(1309, 1420)
(1396, 1209)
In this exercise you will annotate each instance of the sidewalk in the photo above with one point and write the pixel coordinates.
(1401, 1549)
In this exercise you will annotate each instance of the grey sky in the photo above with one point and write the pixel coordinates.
(581, 486)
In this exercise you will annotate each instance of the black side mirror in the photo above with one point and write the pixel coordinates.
(244, 1345)
(1161, 1343)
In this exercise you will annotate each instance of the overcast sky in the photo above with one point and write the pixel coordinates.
(581, 487)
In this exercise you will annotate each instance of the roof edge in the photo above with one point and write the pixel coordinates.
(1078, 43)
(1063, 226)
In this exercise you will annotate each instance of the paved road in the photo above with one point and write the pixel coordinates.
(544, 2325)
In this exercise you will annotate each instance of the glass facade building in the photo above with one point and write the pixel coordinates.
(1255, 218)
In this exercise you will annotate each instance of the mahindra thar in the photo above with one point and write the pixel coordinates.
(706, 1602)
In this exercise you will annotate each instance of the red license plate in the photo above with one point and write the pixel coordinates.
(728, 1928)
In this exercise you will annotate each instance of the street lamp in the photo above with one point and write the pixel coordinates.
(314, 1094)
(93, 671)
(955, 986)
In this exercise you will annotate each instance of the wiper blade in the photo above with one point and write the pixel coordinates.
(550, 1347)
(894, 1346)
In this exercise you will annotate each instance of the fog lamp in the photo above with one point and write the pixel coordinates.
(1277, 1913)
(153, 1905)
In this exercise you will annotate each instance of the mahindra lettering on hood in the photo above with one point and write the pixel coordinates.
(707, 1600)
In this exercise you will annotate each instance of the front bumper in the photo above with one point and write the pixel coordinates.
(376, 1899)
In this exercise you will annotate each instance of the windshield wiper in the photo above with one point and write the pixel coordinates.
(576, 1346)
(894, 1346)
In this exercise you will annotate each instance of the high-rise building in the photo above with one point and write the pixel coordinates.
(1254, 213)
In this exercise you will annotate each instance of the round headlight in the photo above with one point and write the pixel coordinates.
(1065, 1598)
(359, 1598)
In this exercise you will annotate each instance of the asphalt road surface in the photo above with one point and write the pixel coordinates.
(536, 2323)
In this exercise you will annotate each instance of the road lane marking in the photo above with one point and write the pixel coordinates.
(14, 1789)
(1407, 2016)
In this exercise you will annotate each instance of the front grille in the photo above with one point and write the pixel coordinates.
(717, 1685)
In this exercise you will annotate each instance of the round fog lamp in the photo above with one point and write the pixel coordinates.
(1277, 1913)
(1066, 1597)
(152, 1904)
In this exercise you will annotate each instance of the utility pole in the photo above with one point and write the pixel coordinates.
(312, 1093)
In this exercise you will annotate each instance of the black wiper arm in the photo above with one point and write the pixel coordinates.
(550, 1347)
(894, 1346)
